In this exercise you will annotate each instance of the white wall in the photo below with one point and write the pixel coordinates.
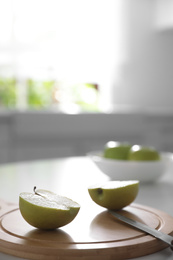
(32, 136)
(144, 79)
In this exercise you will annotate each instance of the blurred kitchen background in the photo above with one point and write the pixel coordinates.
(75, 74)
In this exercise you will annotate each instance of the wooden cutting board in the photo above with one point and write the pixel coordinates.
(93, 235)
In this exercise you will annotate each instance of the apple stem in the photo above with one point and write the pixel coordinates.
(100, 191)
(35, 191)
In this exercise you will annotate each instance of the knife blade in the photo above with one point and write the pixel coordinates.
(155, 233)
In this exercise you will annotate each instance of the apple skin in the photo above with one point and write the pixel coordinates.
(142, 153)
(114, 198)
(116, 150)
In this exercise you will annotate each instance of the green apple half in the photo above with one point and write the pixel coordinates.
(141, 153)
(46, 210)
(114, 195)
(116, 150)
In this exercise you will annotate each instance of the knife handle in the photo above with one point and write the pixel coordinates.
(171, 245)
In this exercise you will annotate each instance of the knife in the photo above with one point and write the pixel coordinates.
(155, 233)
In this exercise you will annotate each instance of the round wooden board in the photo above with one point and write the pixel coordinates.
(92, 235)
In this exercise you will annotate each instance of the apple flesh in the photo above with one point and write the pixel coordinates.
(141, 153)
(116, 150)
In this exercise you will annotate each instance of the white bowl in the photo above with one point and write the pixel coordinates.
(144, 171)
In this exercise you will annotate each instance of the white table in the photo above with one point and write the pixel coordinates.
(71, 177)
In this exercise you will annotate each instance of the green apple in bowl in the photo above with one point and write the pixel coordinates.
(143, 153)
(116, 150)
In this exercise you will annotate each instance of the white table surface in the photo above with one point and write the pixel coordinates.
(70, 177)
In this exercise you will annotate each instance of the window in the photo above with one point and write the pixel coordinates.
(55, 53)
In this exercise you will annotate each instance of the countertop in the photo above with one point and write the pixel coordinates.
(71, 176)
